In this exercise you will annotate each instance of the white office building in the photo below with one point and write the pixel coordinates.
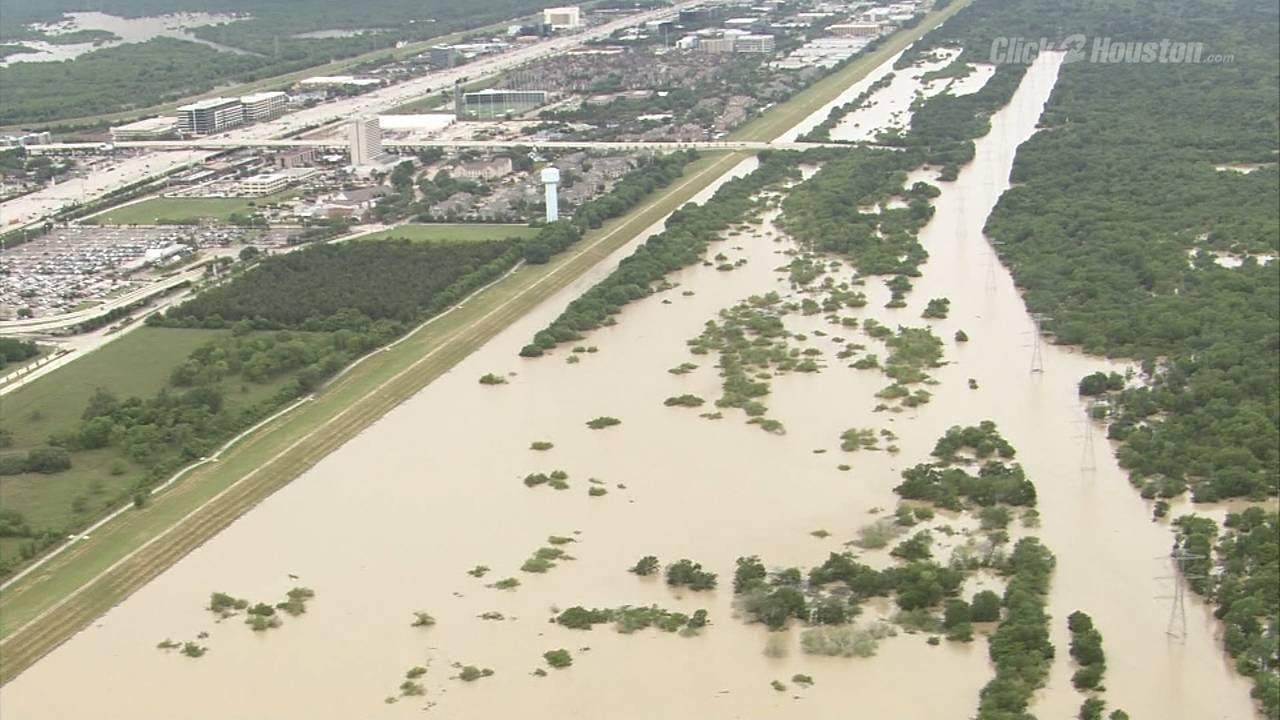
(210, 116)
(562, 18)
(754, 44)
(264, 105)
(365, 136)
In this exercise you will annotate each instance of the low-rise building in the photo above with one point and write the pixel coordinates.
(273, 182)
(294, 158)
(324, 81)
(855, 29)
(562, 18)
(31, 138)
(443, 57)
(148, 129)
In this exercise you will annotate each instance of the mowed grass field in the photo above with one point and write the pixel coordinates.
(139, 364)
(162, 209)
(452, 232)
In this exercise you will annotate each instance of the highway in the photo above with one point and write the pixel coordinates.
(218, 143)
(32, 207)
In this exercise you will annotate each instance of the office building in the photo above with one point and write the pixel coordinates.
(562, 18)
(365, 136)
(499, 103)
(263, 105)
(443, 57)
(753, 44)
(273, 182)
(717, 44)
(210, 116)
(855, 29)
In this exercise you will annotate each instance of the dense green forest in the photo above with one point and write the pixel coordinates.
(15, 351)
(392, 280)
(1135, 275)
(1239, 572)
(1122, 209)
(163, 69)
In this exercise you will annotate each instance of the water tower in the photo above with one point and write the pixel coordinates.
(551, 180)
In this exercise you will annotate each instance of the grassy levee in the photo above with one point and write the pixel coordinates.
(45, 608)
(42, 610)
(779, 119)
(453, 232)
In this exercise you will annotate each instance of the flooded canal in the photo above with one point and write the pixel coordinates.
(391, 523)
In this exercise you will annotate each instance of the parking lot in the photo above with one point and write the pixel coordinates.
(76, 266)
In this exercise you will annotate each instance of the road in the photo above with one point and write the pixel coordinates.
(341, 143)
(32, 207)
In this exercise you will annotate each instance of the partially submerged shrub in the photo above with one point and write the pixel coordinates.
(558, 658)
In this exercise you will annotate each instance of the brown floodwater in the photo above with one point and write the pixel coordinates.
(391, 522)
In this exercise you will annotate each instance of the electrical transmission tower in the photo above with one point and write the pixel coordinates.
(1037, 353)
(1178, 601)
(1088, 461)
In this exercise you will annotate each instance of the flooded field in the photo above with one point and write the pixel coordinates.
(392, 522)
(128, 30)
(890, 107)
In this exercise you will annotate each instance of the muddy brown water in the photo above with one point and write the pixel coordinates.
(391, 522)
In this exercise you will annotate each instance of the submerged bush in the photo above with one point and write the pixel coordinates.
(558, 658)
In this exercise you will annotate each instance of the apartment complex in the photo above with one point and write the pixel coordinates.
(484, 170)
